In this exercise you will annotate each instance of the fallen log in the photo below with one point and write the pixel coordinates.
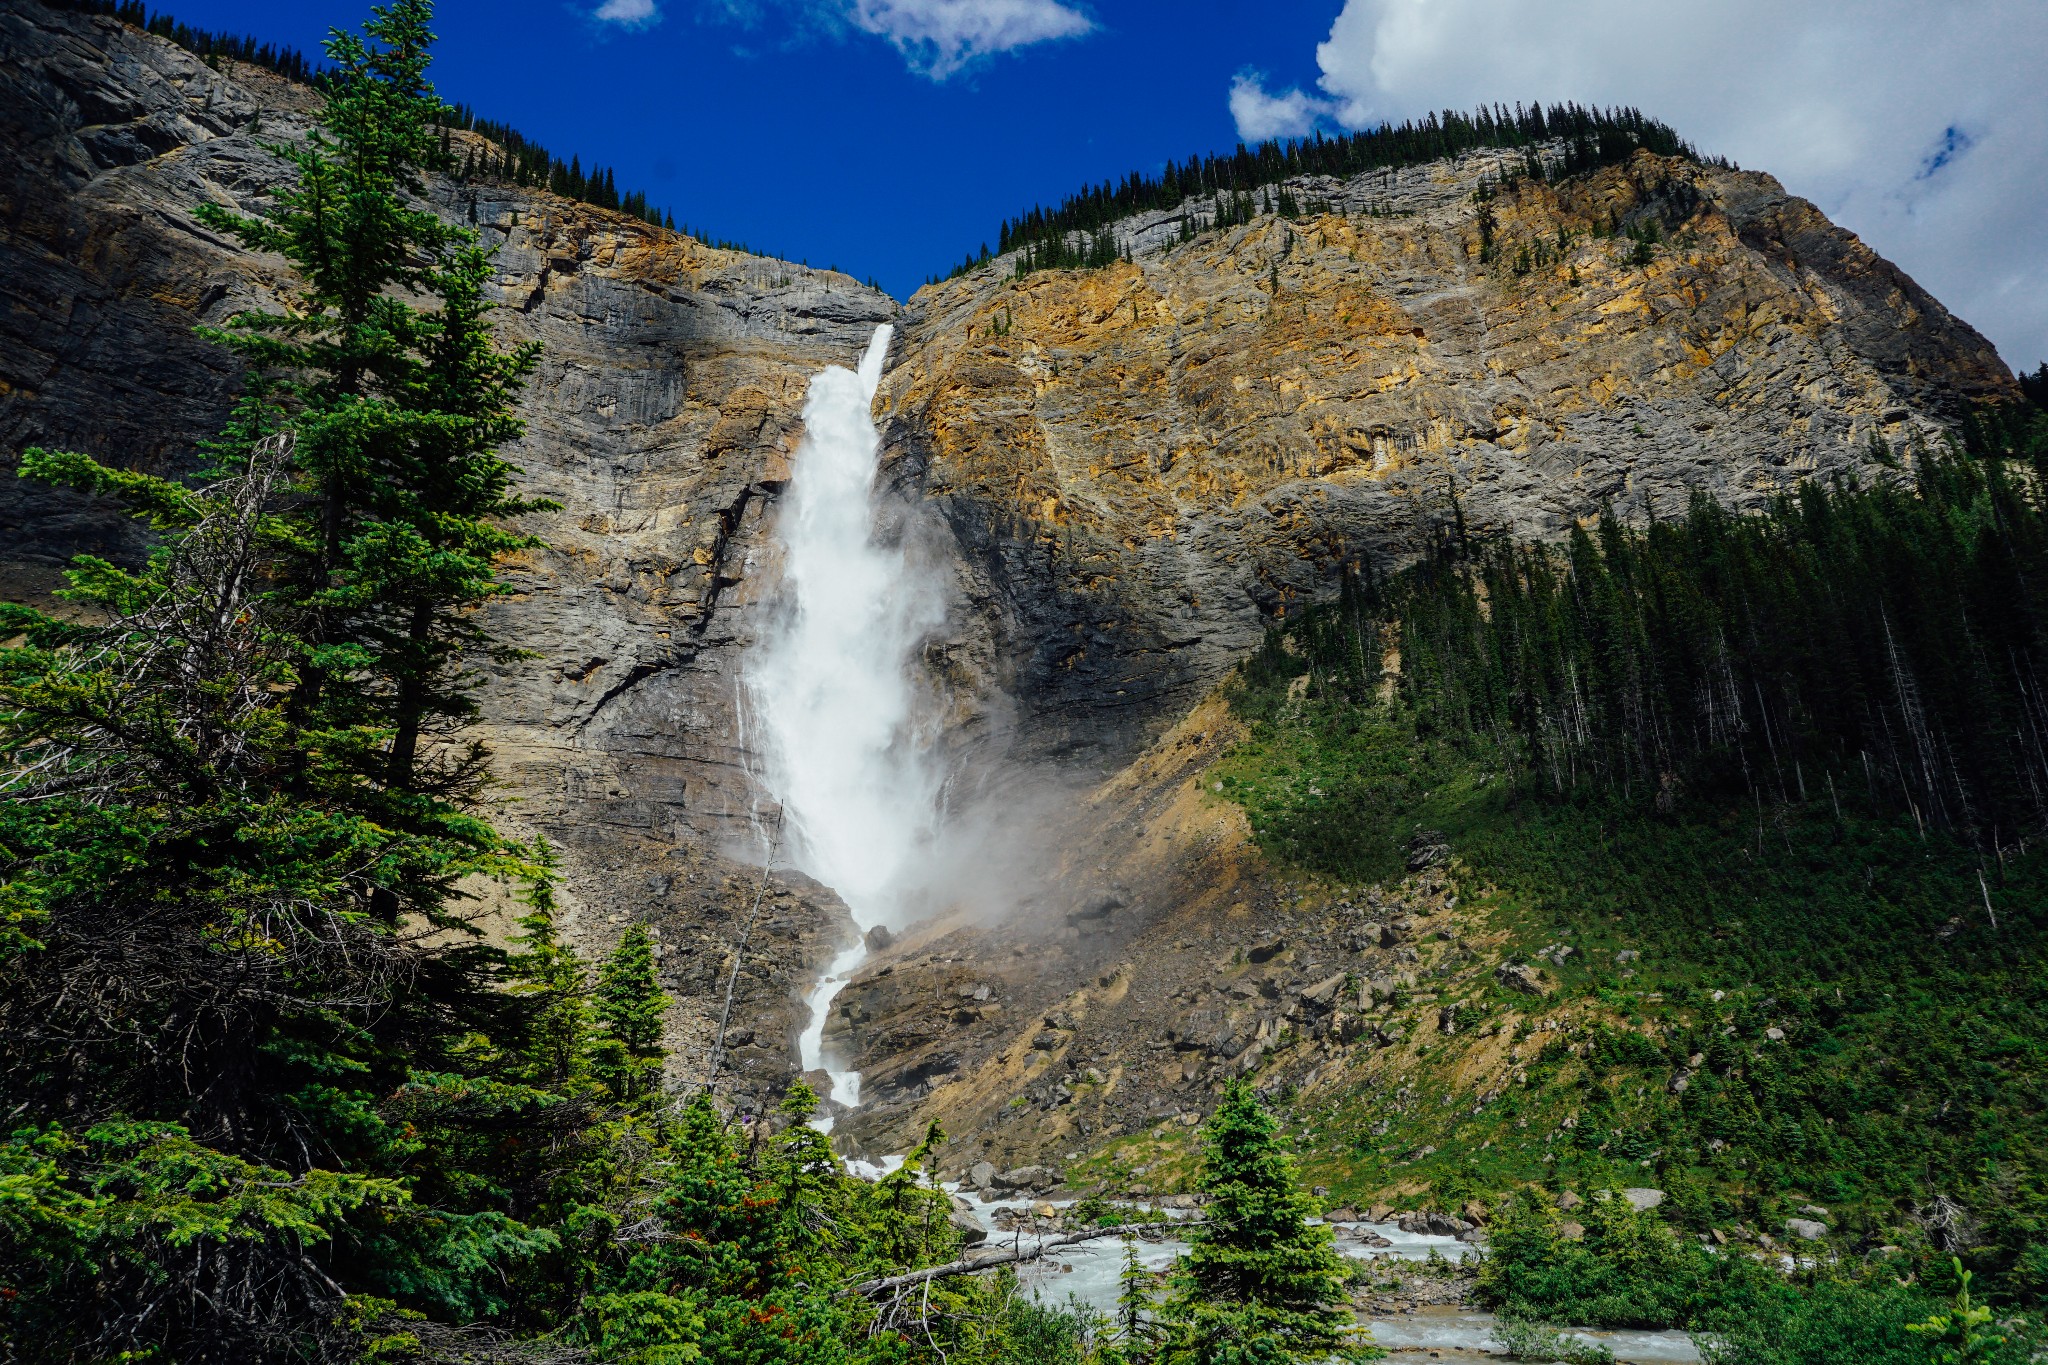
(895, 1284)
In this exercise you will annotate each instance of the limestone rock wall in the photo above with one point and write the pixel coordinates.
(1145, 463)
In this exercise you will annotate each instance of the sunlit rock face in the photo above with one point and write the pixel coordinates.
(1144, 463)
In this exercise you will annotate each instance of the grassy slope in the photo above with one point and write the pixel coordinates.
(1912, 1061)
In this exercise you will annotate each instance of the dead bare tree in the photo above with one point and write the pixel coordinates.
(739, 957)
(893, 1287)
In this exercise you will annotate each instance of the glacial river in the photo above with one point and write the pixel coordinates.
(1090, 1273)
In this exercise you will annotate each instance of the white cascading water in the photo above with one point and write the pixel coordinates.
(831, 690)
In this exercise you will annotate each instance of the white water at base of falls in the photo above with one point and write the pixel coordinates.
(811, 1042)
(831, 689)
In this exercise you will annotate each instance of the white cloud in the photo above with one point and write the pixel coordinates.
(939, 37)
(1921, 127)
(1260, 116)
(627, 13)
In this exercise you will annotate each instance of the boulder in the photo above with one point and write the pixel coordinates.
(1809, 1229)
(1047, 1041)
(1570, 1231)
(879, 938)
(1433, 1224)
(1323, 992)
(1520, 976)
(981, 1174)
(1095, 910)
(1626, 956)
(1641, 1199)
(972, 1233)
(1473, 1211)
(1569, 1201)
(1026, 1178)
(1427, 849)
(1346, 1027)
(1379, 1213)
(1372, 934)
(1776, 1035)
(1345, 1215)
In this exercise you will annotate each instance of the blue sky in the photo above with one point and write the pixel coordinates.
(889, 137)
(818, 141)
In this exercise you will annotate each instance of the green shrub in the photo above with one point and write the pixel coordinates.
(1526, 1339)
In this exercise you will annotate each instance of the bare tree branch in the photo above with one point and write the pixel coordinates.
(889, 1285)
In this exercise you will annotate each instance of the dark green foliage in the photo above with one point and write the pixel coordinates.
(2035, 386)
(1657, 740)
(1134, 1305)
(1884, 644)
(630, 1007)
(1591, 137)
(239, 1076)
(1629, 1270)
(1086, 252)
(1867, 1320)
(1646, 236)
(1260, 1282)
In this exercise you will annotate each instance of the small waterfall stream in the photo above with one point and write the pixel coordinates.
(831, 688)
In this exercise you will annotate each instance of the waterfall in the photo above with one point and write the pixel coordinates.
(831, 690)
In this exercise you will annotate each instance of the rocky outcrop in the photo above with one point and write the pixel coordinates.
(1145, 463)
(662, 419)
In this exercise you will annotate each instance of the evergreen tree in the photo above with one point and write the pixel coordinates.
(1260, 1282)
(228, 795)
(2035, 385)
(1134, 1305)
(631, 1008)
(554, 980)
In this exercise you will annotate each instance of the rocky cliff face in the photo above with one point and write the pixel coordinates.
(1144, 463)
(662, 419)
(1125, 473)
